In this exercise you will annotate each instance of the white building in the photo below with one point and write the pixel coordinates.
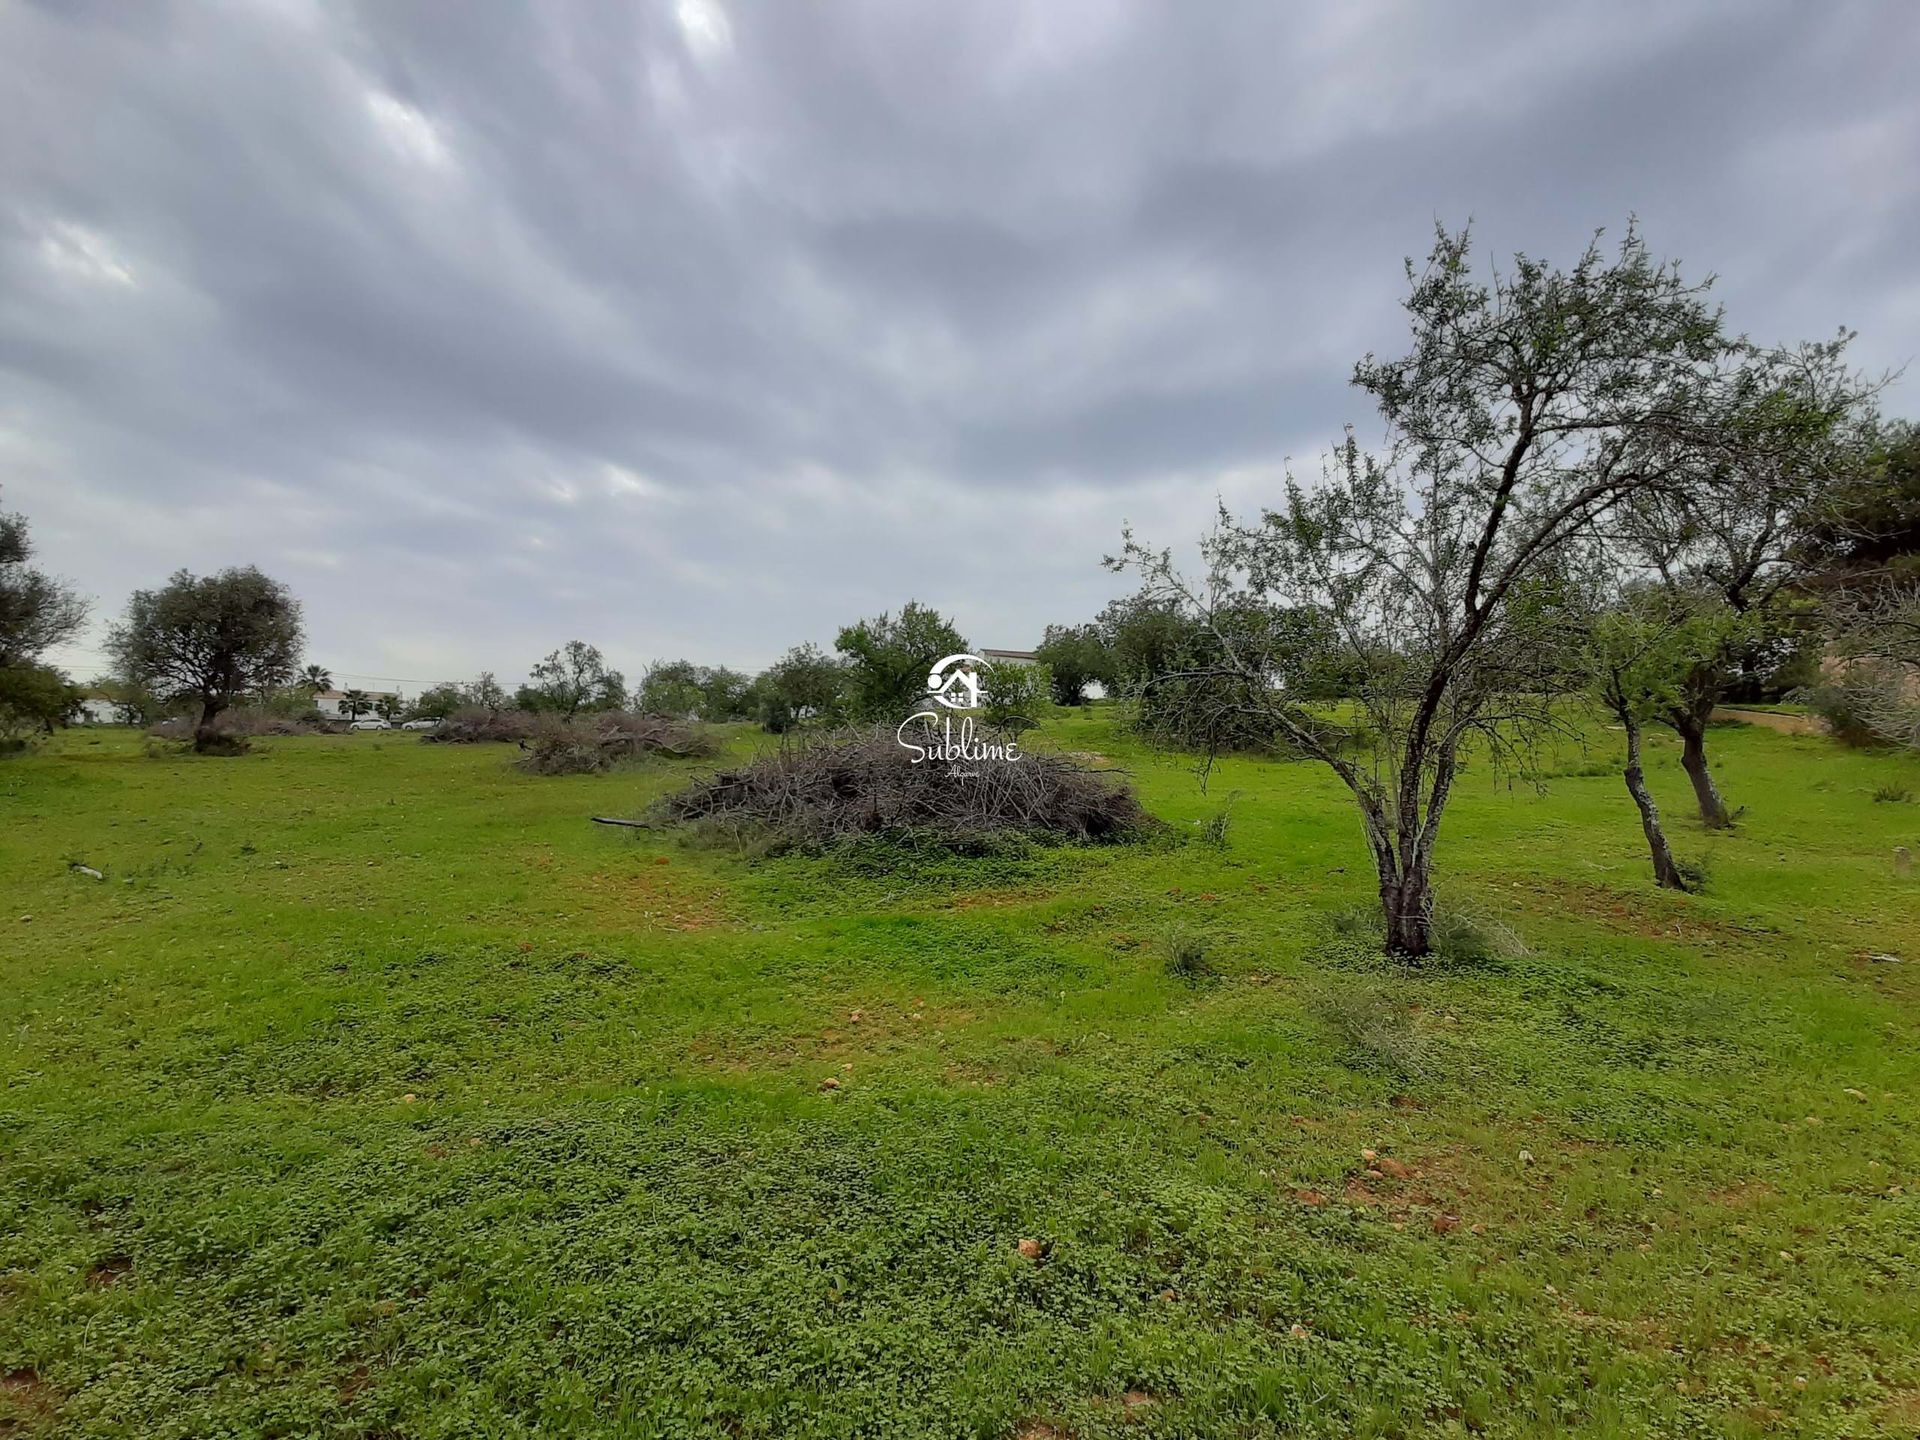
(333, 703)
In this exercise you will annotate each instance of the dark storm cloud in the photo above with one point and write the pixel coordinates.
(701, 327)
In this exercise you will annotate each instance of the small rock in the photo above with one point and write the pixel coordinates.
(1787, 1255)
(1392, 1167)
(1168, 1296)
(1369, 1155)
(1526, 1157)
(26, 919)
(1445, 1224)
(409, 1098)
(1030, 1249)
(830, 1083)
(1477, 1229)
(1298, 1332)
(856, 1016)
(1856, 1094)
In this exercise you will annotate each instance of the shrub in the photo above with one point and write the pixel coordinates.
(591, 743)
(232, 728)
(1893, 795)
(1375, 1033)
(855, 783)
(1215, 829)
(1015, 694)
(1187, 957)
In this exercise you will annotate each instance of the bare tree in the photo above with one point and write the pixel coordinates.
(1527, 410)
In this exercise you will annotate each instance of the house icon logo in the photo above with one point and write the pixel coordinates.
(955, 682)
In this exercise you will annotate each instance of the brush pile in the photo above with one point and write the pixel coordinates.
(847, 784)
(476, 725)
(591, 743)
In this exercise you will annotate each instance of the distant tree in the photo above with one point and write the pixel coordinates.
(574, 678)
(888, 659)
(1727, 532)
(1526, 411)
(436, 702)
(1142, 634)
(725, 694)
(1635, 655)
(389, 708)
(316, 678)
(1076, 656)
(210, 640)
(356, 703)
(34, 699)
(671, 687)
(37, 612)
(1014, 695)
(132, 704)
(487, 693)
(1864, 533)
(805, 684)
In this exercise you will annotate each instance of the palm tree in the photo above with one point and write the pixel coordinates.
(356, 703)
(388, 708)
(316, 678)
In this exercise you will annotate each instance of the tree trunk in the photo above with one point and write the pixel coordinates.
(1666, 874)
(205, 737)
(1693, 755)
(1408, 906)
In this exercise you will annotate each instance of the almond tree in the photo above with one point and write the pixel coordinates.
(1528, 409)
(1730, 537)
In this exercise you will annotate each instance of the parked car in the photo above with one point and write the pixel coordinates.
(370, 722)
(419, 724)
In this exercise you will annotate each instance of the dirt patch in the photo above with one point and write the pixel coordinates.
(1742, 1196)
(1901, 1413)
(105, 1274)
(1000, 899)
(1772, 720)
(875, 1034)
(1633, 915)
(28, 1394)
(653, 899)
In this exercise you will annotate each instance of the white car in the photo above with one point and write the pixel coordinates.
(420, 725)
(372, 722)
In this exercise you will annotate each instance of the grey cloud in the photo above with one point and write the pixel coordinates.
(492, 327)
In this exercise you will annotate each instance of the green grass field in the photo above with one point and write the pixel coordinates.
(375, 1092)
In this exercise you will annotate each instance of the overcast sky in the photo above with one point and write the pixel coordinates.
(699, 327)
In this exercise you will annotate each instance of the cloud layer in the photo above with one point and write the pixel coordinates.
(700, 328)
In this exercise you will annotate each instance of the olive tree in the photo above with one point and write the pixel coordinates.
(574, 678)
(37, 611)
(805, 684)
(1528, 407)
(1076, 656)
(209, 640)
(888, 657)
(1637, 655)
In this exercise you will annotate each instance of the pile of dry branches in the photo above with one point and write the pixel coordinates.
(852, 783)
(475, 724)
(590, 743)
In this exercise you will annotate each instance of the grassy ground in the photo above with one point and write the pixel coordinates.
(374, 1092)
